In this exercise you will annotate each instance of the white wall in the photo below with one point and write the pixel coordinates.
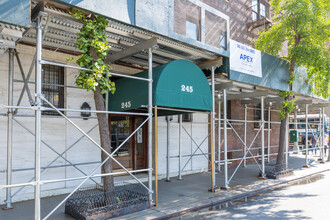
(60, 135)
(198, 131)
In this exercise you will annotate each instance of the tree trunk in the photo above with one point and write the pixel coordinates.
(282, 143)
(104, 138)
(284, 125)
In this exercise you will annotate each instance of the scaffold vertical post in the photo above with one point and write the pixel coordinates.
(245, 127)
(180, 146)
(219, 135)
(320, 133)
(150, 124)
(296, 146)
(268, 136)
(225, 137)
(38, 120)
(10, 128)
(306, 136)
(156, 155)
(262, 136)
(324, 143)
(213, 129)
(168, 149)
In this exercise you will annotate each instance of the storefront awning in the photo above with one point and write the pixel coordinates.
(180, 84)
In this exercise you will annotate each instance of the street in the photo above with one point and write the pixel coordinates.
(304, 201)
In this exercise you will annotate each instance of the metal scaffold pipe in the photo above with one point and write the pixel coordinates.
(213, 132)
(168, 149)
(306, 136)
(268, 136)
(225, 138)
(180, 146)
(10, 129)
(38, 103)
(150, 124)
(245, 127)
(156, 155)
(262, 137)
(219, 135)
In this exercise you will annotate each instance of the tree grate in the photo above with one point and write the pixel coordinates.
(92, 203)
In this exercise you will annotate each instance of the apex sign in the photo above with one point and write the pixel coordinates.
(245, 59)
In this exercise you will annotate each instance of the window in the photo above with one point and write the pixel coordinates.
(228, 112)
(262, 10)
(120, 130)
(187, 19)
(257, 117)
(187, 117)
(223, 40)
(254, 10)
(192, 29)
(53, 87)
(259, 10)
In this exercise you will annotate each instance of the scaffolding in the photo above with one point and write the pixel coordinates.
(215, 121)
(37, 107)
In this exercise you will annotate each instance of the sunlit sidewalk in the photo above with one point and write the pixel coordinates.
(178, 195)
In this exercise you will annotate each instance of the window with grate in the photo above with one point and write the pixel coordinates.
(53, 87)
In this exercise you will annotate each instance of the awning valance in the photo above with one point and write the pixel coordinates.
(179, 84)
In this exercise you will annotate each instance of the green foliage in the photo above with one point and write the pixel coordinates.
(92, 42)
(287, 103)
(304, 25)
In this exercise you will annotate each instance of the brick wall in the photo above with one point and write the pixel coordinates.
(234, 143)
(185, 9)
(240, 13)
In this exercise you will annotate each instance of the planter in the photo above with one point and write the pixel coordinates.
(276, 172)
(94, 204)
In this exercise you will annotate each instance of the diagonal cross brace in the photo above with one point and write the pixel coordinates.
(244, 145)
(51, 148)
(26, 86)
(198, 147)
(94, 142)
(30, 70)
(238, 166)
(53, 161)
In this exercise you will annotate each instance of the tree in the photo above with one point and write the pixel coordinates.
(305, 26)
(92, 42)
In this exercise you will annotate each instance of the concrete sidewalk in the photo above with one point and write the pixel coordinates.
(178, 195)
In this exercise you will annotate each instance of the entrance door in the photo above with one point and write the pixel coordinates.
(119, 131)
(140, 140)
(132, 154)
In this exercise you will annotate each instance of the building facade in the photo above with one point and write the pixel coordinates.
(195, 30)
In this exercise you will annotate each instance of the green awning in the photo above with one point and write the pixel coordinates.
(179, 84)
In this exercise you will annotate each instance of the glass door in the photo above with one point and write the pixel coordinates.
(120, 129)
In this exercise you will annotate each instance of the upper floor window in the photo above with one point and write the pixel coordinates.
(262, 10)
(187, 19)
(259, 10)
(53, 87)
(215, 30)
(192, 29)
(223, 40)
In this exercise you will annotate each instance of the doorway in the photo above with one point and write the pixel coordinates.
(133, 153)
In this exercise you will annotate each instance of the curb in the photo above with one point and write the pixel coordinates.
(237, 196)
